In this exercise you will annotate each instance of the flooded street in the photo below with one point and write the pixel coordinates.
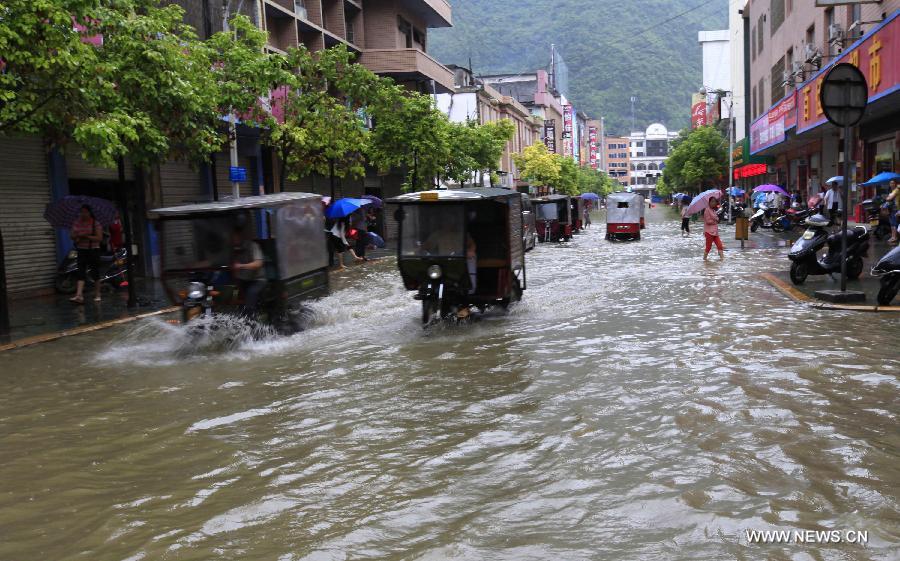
(638, 404)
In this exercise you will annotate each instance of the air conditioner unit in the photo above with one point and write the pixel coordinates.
(835, 33)
(787, 78)
(811, 53)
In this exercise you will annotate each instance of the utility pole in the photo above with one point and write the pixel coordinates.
(633, 99)
(232, 117)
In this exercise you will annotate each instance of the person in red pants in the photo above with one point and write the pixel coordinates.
(711, 229)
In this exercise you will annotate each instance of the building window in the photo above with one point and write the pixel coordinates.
(760, 34)
(761, 92)
(789, 6)
(855, 14)
(406, 32)
(811, 35)
(419, 39)
(753, 112)
(776, 8)
(778, 80)
(753, 43)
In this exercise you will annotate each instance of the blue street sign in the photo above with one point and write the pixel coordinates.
(236, 174)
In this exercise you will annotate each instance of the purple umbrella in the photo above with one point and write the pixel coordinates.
(64, 212)
(770, 189)
(376, 202)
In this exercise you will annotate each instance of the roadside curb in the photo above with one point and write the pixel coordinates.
(798, 296)
(47, 337)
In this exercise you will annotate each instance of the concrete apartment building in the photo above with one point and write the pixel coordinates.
(618, 159)
(791, 46)
(472, 100)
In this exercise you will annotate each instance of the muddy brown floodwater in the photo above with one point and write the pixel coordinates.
(638, 404)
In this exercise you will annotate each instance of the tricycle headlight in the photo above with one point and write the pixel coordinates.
(435, 272)
(196, 290)
(73, 254)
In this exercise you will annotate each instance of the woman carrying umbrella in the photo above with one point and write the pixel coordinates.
(87, 233)
(711, 228)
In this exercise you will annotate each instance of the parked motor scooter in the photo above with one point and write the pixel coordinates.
(113, 267)
(888, 268)
(762, 218)
(793, 217)
(804, 252)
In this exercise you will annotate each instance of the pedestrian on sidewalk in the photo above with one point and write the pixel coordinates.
(685, 217)
(711, 229)
(87, 233)
(892, 202)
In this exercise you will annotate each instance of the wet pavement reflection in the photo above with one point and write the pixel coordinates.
(638, 404)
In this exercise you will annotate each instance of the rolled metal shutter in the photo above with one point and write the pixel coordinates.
(29, 241)
(78, 168)
(180, 184)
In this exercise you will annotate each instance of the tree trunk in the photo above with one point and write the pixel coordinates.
(331, 176)
(126, 216)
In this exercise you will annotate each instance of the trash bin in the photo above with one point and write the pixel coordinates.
(742, 228)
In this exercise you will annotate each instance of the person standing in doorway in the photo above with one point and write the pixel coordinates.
(359, 221)
(711, 228)
(834, 203)
(87, 233)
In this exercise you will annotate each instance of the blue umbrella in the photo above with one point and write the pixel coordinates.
(590, 196)
(345, 207)
(64, 212)
(376, 240)
(735, 191)
(882, 178)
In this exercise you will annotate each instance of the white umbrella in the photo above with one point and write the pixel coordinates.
(836, 179)
(701, 201)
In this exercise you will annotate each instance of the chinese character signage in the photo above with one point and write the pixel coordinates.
(769, 129)
(594, 155)
(877, 56)
(550, 134)
(567, 134)
(698, 111)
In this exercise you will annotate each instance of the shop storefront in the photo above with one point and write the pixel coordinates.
(749, 171)
(807, 150)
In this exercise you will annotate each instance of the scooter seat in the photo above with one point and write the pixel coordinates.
(853, 234)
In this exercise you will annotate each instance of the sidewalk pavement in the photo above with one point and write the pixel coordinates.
(44, 318)
(806, 292)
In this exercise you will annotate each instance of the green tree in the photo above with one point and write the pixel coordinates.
(477, 149)
(318, 124)
(568, 176)
(591, 180)
(698, 160)
(538, 165)
(409, 132)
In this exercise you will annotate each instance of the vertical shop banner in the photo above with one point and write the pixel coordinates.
(592, 138)
(550, 134)
(698, 111)
(877, 55)
(567, 134)
(769, 129)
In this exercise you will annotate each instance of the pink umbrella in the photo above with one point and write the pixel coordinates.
(701, 201)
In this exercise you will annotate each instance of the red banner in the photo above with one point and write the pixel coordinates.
(592, 139)
(698, 111)
(877, 56)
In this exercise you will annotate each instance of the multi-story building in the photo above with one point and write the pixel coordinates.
(473, 100)
(390, 37)
(791, 47)
(534, 91)
(648, 151)
(618, 159)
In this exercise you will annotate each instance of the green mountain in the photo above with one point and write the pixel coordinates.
(614, 49)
